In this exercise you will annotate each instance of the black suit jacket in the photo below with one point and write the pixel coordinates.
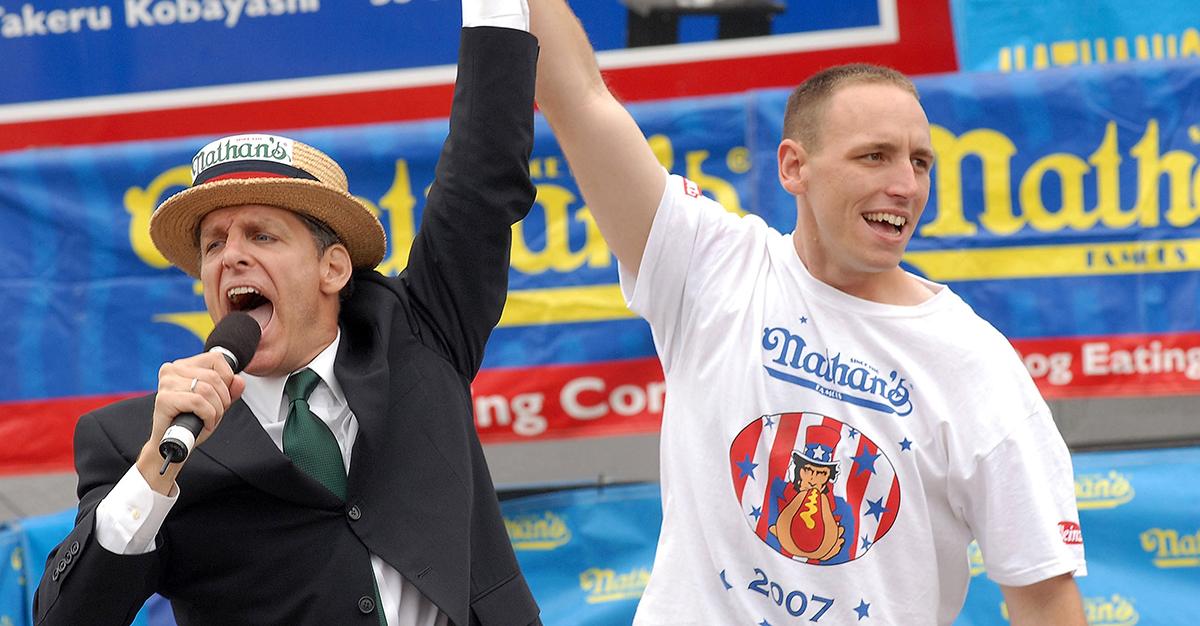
(254, 540)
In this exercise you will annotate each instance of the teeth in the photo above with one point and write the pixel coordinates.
(894, 220)
(240, 291)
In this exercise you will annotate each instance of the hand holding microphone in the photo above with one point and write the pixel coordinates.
(235, 338)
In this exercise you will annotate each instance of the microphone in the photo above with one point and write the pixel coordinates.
(235, 338)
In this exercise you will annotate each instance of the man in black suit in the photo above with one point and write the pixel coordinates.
(364, 374)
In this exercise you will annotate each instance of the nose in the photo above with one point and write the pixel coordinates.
(234, 253)
(904, 181)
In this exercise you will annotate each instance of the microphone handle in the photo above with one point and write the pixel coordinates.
(180, 438)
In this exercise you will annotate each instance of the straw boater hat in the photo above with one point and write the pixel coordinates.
(270, 170)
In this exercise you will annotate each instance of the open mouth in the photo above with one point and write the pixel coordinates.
(886, 223)
(249, 300)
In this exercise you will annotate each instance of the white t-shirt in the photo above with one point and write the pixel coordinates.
(827, 459)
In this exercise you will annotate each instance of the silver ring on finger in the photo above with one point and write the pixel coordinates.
(193, 387)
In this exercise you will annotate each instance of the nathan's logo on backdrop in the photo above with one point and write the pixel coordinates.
(242, 148)
(1172, 548)
(1050, 198)
(841, 377)
(1102, 491)
(538, 532)
(1116, 610)
(607, 585)
(814, 489)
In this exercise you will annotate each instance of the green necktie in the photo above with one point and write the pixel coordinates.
(307, 441)
(311, 446)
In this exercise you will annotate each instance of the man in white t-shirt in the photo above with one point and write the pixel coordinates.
(836, 430)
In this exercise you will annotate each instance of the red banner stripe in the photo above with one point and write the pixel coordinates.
(36, 435)
(1114, 366)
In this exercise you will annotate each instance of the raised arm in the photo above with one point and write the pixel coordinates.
(621, 180)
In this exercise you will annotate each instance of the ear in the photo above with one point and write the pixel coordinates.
(793, 173)
(335, 268)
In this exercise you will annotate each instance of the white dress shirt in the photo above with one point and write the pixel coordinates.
(132, 514)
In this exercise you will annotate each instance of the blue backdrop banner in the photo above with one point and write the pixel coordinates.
(1064, 209)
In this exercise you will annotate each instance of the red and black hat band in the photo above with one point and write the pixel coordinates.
(250, 169)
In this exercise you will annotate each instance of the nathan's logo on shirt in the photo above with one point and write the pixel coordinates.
(242, 148)
(1172, 548)
(1102, 491)
(603, 584)
(1071, 533)
(537, 532)
(814, 489)
(840, 377)
(690, 188)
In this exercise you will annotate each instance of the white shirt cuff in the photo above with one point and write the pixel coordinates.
(500, 13)
(130, 516)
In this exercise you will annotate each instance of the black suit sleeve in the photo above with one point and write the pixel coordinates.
(84, 583)
(458, 266)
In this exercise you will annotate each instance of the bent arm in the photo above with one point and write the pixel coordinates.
(85, 583)
(619, 176)
(1051, 601)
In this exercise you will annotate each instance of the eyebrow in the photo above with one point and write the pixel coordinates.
(256, 223)
(888, 146)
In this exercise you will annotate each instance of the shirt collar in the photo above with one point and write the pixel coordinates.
(264, 394)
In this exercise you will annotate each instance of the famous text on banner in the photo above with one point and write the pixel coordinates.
(1023, 36)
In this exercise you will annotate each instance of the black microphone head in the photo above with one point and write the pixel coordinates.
(239, 334)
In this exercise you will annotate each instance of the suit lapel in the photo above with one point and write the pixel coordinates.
(242, 446)
(362, 372)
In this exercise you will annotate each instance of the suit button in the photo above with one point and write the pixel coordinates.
(54, 576)
(70, 557)
(366, 604)
(74, 548)
(62, 565)
(354, 514)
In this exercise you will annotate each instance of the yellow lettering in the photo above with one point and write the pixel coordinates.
(995, 151)
(1121, 50)
(1064, 53)
(1143, 47)
(1107, 161)
(1151, 166)
(1085, 52)
(1190, 46)
(721, 190)
(140, 204)
(1041, 58)
(1070, 170)
(556, 253)
(198, 322)
(400, 203)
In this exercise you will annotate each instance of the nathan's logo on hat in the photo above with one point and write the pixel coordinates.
(242, 155)
(260, 169)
